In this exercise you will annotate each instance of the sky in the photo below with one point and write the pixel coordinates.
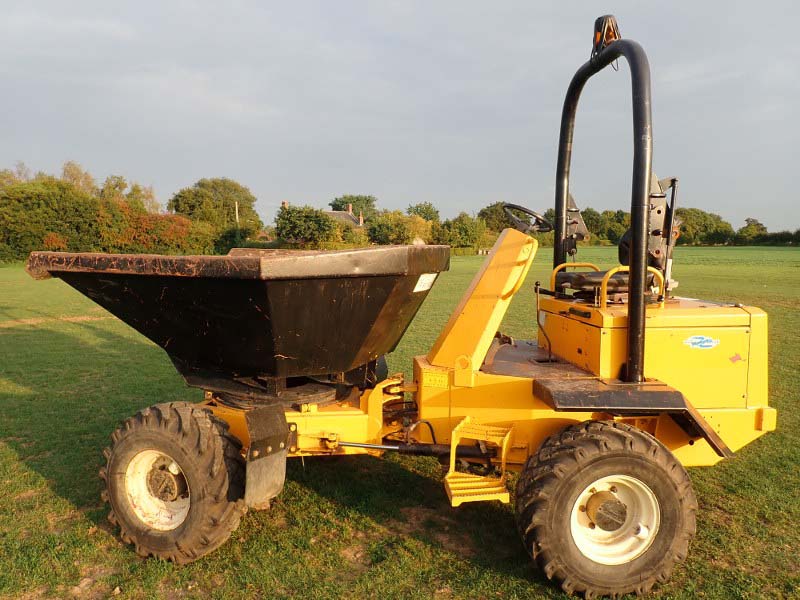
(453, 102)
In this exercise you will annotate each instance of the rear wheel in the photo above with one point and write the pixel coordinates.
(605, 509)
(175, 480)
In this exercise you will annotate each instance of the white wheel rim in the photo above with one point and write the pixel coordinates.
(642, 518)
(161, 513)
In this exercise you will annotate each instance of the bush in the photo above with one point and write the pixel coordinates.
(393, 227)
(354, 236)
(51, 214)
(462, 232)
(305, 226)
(215, 201)
(33, 211)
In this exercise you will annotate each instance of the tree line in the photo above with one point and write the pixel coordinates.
(698, 228)
(73, 212)
(307, 226)
(311, 227)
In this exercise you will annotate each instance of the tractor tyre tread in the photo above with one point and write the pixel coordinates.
(566, 453)
(217, 464)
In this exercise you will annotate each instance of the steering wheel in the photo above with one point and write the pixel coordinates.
(539, 225)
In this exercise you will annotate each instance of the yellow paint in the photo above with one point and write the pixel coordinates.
(464, 487)
(320, 428)
(726, 380)
(472, 326)
(721, 376)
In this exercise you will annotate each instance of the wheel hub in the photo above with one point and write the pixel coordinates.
(164, 485)
(615, 519)
(157, 490)
(606, 511)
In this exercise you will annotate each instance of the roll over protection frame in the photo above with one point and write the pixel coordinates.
(602, 56)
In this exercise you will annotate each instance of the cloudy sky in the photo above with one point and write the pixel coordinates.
(457, 103)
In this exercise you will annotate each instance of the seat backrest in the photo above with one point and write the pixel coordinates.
(659, 250)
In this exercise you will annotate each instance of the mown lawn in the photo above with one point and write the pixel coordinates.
(358, 527)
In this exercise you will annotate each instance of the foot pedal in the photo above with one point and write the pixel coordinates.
(465, 487)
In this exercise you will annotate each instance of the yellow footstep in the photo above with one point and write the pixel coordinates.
(466, 487)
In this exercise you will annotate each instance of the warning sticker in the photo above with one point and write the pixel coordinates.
(436, 379)
(425, 282)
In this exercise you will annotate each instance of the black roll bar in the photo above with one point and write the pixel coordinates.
(640, 185)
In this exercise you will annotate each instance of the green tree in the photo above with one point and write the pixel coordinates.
(426, 210)
(304, 225)
(593, 221)
(355, 236)
(52, 214)
(32, 212)
(113, 187)
(393, 227)
(215, 201)
(462, 232)
(389, 227)
(364, 205)
(720, 233)
(700, 227)
(144, 196)
(83, 181)
(7, 177)
(615, 231)
(751, 232)
(140, 197)
(419, 228)
(495, 217)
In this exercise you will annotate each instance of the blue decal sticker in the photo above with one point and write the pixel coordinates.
(703, 342)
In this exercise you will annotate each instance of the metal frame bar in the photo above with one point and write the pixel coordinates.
(640, 185)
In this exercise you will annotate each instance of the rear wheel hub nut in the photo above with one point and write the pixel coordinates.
(606, 511)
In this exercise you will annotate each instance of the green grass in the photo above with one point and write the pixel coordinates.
(359, 527)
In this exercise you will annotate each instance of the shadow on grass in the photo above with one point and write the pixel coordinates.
(68, 386)
(65, 387)
(389, 492)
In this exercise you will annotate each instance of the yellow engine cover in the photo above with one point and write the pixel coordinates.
(715, 354)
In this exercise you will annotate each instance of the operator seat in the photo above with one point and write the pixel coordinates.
(588, 282)
(659, 248)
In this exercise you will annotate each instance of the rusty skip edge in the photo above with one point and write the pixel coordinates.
(245, 263)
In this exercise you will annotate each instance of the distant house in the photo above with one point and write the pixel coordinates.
(346, 216)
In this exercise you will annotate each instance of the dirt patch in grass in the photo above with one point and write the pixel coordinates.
(26, 495)
(357, 558)
(40, 592)
(438, 526)
(40, 320)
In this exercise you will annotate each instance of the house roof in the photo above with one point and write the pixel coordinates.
(343, 217)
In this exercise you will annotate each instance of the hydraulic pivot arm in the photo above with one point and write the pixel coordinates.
(466, 338)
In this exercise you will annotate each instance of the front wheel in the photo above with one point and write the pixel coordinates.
(605, 509)
(174, 479)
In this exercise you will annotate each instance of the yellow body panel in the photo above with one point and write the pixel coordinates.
(702, 349)
(715, 354)
(319, 429)
(466, 338)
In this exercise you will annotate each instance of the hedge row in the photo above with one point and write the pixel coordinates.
(51, 214)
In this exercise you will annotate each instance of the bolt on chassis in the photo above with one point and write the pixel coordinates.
(626, 385)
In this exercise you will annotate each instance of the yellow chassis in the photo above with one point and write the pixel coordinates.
(723, 375)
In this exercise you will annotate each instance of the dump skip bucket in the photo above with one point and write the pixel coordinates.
(259, 313)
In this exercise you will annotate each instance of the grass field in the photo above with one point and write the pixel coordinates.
(360, 527)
